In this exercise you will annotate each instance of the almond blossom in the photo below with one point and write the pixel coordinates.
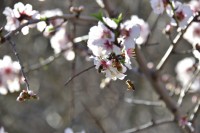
(112, 52)
(130, 32)
(102, 37)
(49, 27)
(180, 14)
(111, 68)
(192, 35)
(9, 75)
(19, 15)
(185, 70)
(61, 43)
(144, 29)
(194, 5)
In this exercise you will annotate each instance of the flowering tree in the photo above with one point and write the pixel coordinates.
(118, 46)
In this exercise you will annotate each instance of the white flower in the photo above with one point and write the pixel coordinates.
(185, 71)
(130, 32)
(60, 42)
(9, 75)
(181, 14)
(192, 35)
(19, 15)
(52, 24)
(194, 5)
(158, 6)
(108, 67)
(110, 22)
(144, 27)
(12, 22)
(2, 130)
(101, 40)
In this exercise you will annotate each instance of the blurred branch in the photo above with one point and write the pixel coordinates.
(76, 75)
(108, 7)
(70, 17)
(196, 111)
(174, 44)
(153, 77)
(185, 89)
(98, 123)
(52, 58)
(13, 46)
(149, 125)
(143, 102)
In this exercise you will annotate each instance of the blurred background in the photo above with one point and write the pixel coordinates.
(82, 104)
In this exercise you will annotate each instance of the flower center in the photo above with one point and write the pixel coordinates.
(8, 70)
(108, 45)
(180, 15)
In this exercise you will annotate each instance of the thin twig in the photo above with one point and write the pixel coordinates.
(71, 17)
(13, 46)
(149, 125)
(76, 75)
(174, 44)
(110, 10)
(98, 123)
(53, 57)
(143, 102)
(195, 112)
(43, 63)
(153, 76)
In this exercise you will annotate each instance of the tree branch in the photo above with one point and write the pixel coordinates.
(174, 44)
(149, 125)
(70, 17)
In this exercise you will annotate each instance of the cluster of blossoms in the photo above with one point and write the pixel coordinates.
(178, 12)
(19, 15)
(113, 44)
(185, 70)
(10, 77)
(54, 28)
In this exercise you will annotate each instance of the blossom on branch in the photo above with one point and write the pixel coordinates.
(49, 27)
(185, 71)
(60, 43)
(113, 45)
(19, 15)
(144, 29)
(10, 77)
(180, 14)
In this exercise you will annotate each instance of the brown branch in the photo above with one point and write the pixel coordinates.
(174, 44)
(153, 77)
(110, 10)
(13, 46)
(149, 125)
(143, 102)
(98, 123)
(70, 17)
(76, 75)
(53, 57)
